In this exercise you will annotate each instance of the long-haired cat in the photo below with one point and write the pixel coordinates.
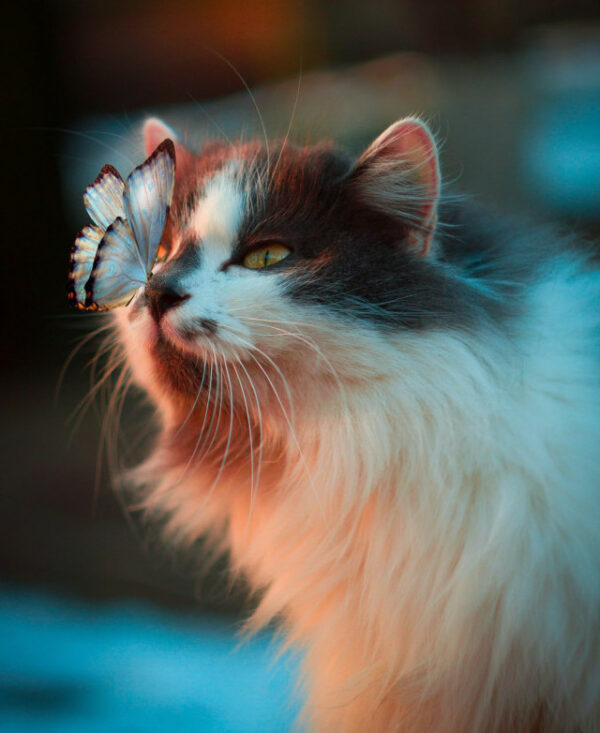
(385, 403)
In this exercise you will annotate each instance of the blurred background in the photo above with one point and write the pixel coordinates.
(102, 627)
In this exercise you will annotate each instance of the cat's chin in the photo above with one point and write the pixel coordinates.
(179, 371)
(160, 361)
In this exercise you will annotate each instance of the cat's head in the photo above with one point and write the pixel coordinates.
(290, 268)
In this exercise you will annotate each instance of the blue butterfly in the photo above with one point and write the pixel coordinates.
(112, 258)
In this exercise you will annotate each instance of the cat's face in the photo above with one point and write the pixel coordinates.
(288, 266)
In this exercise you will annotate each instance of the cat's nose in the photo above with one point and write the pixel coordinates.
(162, 296)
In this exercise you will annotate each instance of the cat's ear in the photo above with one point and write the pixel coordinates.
(399, 174)
(154, 131)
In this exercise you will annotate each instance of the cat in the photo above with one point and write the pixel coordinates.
(384, 402)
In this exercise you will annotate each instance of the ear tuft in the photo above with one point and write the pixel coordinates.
(399, 174)
(154, 132)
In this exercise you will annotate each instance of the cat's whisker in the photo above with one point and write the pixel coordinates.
(201, 434)
(206, 449)
(192, 409)
(211, 119)
(97, 141)
(105, 446)
(256, 186)
(284, 382)
(218, 407)
(255, 484)
(77, 415)
(250, 431)
(252, 98)
(289, 127)
(115, 467)
(304, 338)
(261, 437)
(215, 482)
(108, 344)
(287, 418)
(214, 421)
(279, 325)
(81, 343)
(116, 423)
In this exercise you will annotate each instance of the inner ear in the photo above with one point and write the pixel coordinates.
(154, 131)
(399, 174)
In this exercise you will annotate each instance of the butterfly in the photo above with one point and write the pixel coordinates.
(113, 257)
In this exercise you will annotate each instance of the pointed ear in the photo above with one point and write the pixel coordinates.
(399, 174)
(154, 131)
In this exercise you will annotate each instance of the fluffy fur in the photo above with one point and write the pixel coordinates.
(394, 432)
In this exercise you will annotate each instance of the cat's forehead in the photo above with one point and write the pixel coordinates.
(236, 190)
(220, 208)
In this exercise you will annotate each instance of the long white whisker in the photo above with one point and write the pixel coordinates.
(252, 98)
(211, 119)
(112, 411)
(82, 342)
(289, 127)
(87, 136)
(284, 382)
(201, 434)
(218, 407)
(78, 413)
(311, 343)
(229, 434)
(117, 420)
(283, 410)
(250, 432)
(195, 403)
(254, 484)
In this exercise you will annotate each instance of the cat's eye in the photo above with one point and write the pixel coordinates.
(265, 256)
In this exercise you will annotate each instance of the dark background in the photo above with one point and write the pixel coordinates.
(512, 87)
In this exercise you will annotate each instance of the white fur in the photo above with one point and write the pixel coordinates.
(219, 214)
(422, 510)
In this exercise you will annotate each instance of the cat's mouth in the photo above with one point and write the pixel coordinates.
(186, 350)
(187, 336)
(195, 339)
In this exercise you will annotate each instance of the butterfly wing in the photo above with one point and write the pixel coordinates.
(147, 198)
(83, 253)
(117, 271)
(103, 198)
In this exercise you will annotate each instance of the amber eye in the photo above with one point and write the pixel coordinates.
(265, 256)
